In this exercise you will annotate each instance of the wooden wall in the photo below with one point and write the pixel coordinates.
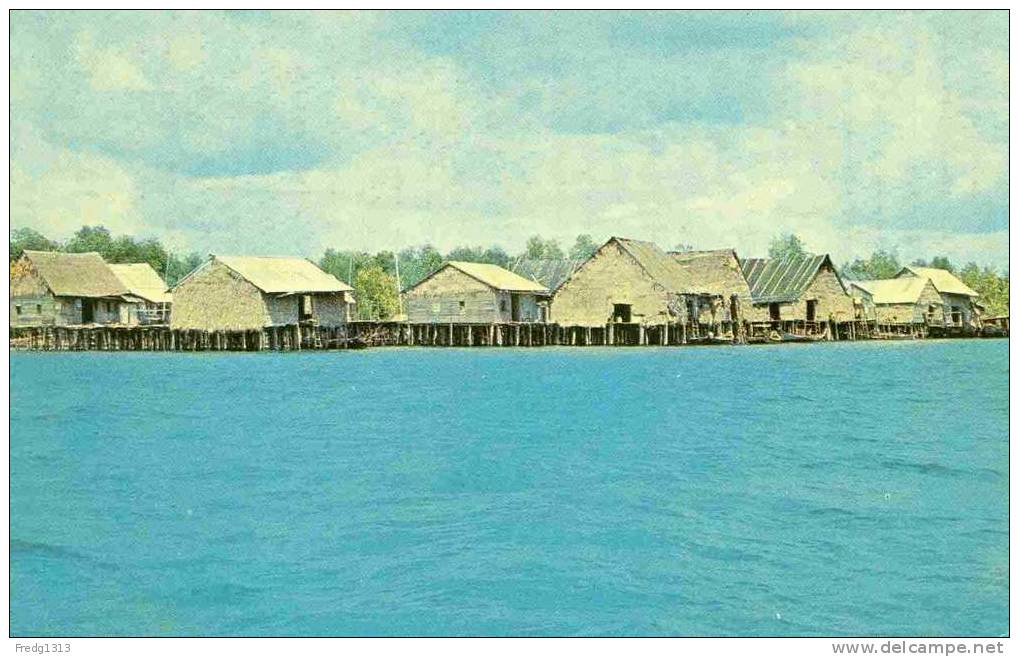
(451, 296)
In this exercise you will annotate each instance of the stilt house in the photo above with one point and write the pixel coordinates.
(798, 288)
(253, 292)
(908, 300)
(630, 281)
(717, 272)
(474, 293)
(959, 301)
(66, 289)
(147, 291)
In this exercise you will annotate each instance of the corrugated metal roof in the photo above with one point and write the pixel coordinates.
(893, 290)
(142, 281)
(943, 280)
(76, 274)
(283, 274)
(549, 272)
(497, 277)
(781, 280)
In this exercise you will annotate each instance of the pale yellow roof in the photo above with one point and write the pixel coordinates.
(893, 290)
(141, 280)
(283, 274)
(497, 277)
(944, 280)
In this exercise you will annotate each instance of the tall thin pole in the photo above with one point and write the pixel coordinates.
(399, 297)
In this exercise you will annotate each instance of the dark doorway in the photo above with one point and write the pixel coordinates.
(774, 311)
(956, 316)
(811, 310)
(621, 312)
(306, 310)
(515, 307)
(87, 312)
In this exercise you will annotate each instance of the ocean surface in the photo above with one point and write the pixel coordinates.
(831, 489)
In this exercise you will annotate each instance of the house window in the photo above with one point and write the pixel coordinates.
(17, 310)
(621, 312)
(774, 311)
(463, 307)
(956, 315)
(811, 310)
(306, 307)
(38, 309)
(502, 305)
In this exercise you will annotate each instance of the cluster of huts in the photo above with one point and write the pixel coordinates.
(625, 281)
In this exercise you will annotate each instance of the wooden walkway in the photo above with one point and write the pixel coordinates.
(379, 334)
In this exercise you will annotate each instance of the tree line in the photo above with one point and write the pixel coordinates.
(377, 277)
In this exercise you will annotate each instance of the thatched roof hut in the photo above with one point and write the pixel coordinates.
(59, 289)
(717, 271)
(249, 292)
(84, 275)
(629, 281)
(805, 287)
(473, 292)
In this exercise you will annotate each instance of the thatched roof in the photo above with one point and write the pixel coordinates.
(76, 274)
(780, 280)
(550, 272)
(943, 280)
(496, 277)
(283, 274)
(894, 290)
(141, 280)
(663, 267)
(717, 271)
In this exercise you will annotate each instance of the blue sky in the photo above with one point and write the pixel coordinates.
(270, 132)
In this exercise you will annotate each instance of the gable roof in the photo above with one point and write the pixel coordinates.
(716, 270)
(779, 280)
(283, 274)
(656, 262)
(496, 277)
(550, 272)
(141, 280)
(943, 280)
(893, 290)
(76, 274)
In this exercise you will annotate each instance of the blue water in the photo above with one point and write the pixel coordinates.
(834, 489)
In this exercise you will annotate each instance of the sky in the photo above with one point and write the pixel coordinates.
(293, 132)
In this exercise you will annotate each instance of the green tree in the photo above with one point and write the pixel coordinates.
(179, 266)
(992, 287)
(90, 238)
(416, 263)
(682, 247)
(26, 238)
(786, 245)
(583, 248)
(942, 262)
(880, 264)
(375, 291)
(542, 249)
